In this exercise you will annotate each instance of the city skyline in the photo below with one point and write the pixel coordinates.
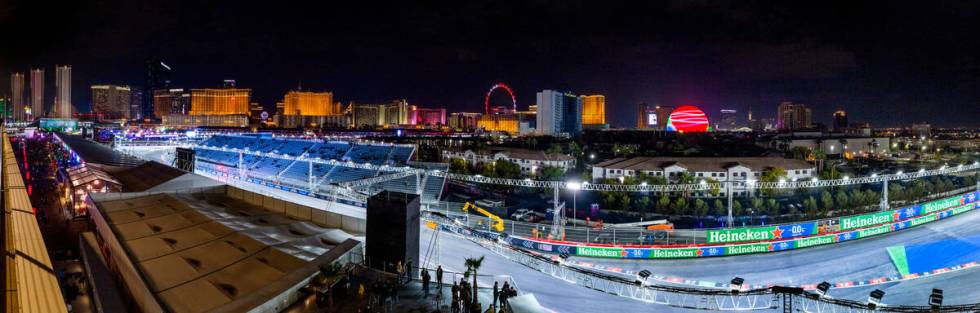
(795, 53)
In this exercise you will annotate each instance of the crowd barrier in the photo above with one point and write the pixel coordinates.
(774, 238)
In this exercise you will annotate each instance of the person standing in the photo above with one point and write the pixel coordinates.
(439, 277)
(496, 293)
(400, 270)
(425, 281)
(454, 306)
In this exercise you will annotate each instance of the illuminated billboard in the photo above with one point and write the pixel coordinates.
(652, 119)
(687, 119)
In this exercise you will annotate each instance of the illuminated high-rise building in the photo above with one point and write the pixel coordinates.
(111, 102)
(594, 111)
(308, 103)
(427, 117)
(157, 77)
(220, 101)
(642, 109)
(379, 115)
(135, 102)
(559, 113)
(793, 116)
(840, 120)
(728, 120)
(662, 113)
(62, 83)
(17, 91)
(171, 101)
(37, 94)
(464, 121)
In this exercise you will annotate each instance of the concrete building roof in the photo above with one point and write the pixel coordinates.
(703, 164)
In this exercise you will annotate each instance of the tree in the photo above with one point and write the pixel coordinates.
(715, 186)
(721, 209)
(680, 206)
(773, 207)
(554, 149)
(772, 175)
(550, 173)
(506, 169)
(643, 204)
(757, 204)
(574, 149)
(737, 207)
(663, 204)
(827, 200)
(800, 153)
(810, 206)
(624, 201)
(458, 165)
(700, 208)
(472, 266)
(842, 200)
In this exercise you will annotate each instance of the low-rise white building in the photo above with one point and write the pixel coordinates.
(831, 144)
(721, 169)
(530, 161)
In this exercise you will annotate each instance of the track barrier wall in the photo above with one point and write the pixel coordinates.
(775, 238)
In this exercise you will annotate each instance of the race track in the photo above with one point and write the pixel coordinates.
(859, 260)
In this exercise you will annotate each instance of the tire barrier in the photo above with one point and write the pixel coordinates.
(776, 238)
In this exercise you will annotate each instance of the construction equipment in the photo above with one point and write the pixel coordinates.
(498, 223)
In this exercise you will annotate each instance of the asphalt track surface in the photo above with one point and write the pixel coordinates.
(849, 261)
(858, 260)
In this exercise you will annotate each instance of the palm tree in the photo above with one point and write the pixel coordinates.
(472, 266)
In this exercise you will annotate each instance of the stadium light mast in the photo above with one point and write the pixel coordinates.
(728, 187)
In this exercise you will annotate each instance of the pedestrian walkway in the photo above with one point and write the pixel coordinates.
(411, 296)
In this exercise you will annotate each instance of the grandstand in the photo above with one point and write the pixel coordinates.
(273, 160)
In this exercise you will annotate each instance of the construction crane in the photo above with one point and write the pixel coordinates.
(498, 223)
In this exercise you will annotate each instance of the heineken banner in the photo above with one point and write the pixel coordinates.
(940, 205)
(765, 233)
(861, 221)
(862, 226)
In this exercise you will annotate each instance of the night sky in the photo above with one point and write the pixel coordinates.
(884, 62)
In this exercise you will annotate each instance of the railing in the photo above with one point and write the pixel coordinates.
(639, 237)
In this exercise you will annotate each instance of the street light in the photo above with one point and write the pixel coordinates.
(575, 187)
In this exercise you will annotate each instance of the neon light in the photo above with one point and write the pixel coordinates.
(687, 119)
(486, 100)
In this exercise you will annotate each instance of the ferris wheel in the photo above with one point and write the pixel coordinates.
(486, 100)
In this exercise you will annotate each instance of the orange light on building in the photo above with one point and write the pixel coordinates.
(225, 101)
(308, 103)
(593, 110)
(507, 123)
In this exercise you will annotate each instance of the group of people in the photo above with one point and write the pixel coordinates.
(381, 292)
(462, 299)
(462, 293)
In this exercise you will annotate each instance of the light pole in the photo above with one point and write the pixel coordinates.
(575, 187)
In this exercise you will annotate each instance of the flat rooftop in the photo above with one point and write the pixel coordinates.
(206, 251)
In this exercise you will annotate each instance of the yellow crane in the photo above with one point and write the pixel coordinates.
(498, 223)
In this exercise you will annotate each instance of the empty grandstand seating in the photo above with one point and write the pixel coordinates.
(368, 154)
(329, 150)
(284, 170)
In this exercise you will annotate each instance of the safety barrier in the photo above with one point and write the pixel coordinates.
(778, 238)
(748, 298)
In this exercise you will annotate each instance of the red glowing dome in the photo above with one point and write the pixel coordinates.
(688, 119)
